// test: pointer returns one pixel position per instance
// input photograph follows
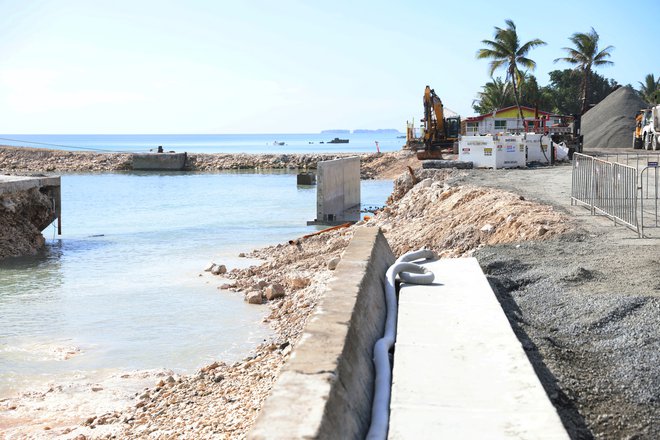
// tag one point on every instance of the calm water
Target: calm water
(122, 283)
(216, 143)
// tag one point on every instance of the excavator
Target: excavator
(439, 132)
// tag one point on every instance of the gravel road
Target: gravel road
(586, 307)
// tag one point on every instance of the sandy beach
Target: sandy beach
(566, 310)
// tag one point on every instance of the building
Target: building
(508, 120)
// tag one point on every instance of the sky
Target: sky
(285, 66)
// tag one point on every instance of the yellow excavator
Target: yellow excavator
(439, 132)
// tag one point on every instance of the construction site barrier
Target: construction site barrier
(648, 196)
(606, 188)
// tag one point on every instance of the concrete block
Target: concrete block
(338, 190)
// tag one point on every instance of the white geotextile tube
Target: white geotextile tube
(410, 273)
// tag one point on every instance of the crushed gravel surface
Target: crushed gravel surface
(611, 122)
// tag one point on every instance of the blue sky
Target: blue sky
(74, 66)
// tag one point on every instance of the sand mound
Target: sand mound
(610, 124)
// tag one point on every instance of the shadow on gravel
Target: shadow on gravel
(573, 421)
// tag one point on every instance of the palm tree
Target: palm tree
(650, 89)
(584, 56)
(506, 51)
(496, 94)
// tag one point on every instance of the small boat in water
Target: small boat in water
(159, 161)
(338, 141)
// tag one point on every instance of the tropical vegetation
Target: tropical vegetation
(569, 91)
(585, 56)
(649, 90)
(505, 51)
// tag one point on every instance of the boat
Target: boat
(159, 161)
(338, 141)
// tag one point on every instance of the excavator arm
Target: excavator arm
(435, 129)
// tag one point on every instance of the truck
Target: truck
(647, 129)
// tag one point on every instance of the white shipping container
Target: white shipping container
(492, 151)
(480, 150)
(538, 148)
(510, 151)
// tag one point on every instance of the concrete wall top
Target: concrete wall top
(326, 388)
(459, 369)
(10, 184)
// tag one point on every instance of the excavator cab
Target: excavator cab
(439, 132)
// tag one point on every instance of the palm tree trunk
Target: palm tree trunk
(515, 96)
(585, 91)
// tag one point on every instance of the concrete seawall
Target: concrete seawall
(27, 206)
(325, 390)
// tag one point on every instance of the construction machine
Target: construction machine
(440, 132)
(647, 129)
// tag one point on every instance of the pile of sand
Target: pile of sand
(610, 124)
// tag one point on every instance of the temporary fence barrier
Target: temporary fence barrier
(648, 196)
(607, 188)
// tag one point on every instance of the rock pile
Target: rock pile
(610, 124)
(23, 159)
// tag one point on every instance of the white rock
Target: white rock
(219, 269)
(487, 228)
(332, 264)
(425, 183)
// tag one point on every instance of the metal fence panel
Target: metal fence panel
(607, 188)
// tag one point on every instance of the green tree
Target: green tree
(650, 89)
(505, 51)
(585, 56)
(495, 94)
(531, 95)
(566, 86)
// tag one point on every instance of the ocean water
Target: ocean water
(121, 288)
(215, 143)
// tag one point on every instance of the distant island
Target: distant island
(335, 131)
(362, 131)
(377, 131)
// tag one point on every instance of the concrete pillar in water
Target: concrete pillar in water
(338, 191)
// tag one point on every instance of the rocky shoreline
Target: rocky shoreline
(30, 160)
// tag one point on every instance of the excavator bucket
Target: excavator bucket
(429, 154)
